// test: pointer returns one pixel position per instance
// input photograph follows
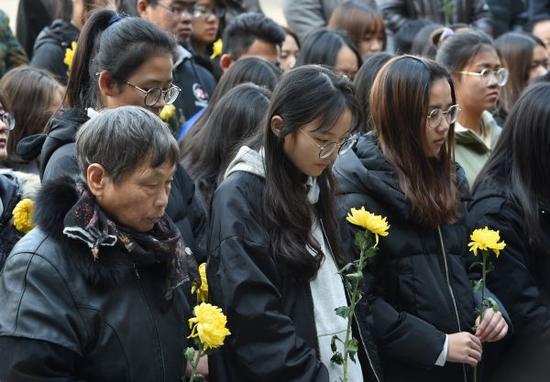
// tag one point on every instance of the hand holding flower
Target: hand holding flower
(492, 327)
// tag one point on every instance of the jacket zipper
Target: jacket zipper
(325, 237)
(444, 253)
(153, 322)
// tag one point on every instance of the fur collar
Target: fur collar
(54, 200)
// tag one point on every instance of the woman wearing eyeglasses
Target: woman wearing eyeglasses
(274, 246)
(118, 62)
(478, 74)
(207, 19)
(421, 301)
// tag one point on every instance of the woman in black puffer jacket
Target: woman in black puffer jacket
(511, 194)
(422, 305)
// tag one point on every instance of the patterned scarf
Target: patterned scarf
(87, 222)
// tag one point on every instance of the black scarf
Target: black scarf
(163, 245)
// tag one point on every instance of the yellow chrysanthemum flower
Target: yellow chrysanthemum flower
(217, 48)
(202, 289)
(376, 224)
(486, 239)
(209, 324)
(69, 55)
(167, 112)
(22, 215)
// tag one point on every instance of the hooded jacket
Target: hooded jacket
(57, 152)
(69, 317)
(519, 279)
(270, 314)
(417, 286)
(50, 47)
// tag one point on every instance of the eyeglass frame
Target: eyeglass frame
(338, 146)
(443, 113)
(162, 93)
(493, 72)
(8, 119)
(175, 11)
(219, 12)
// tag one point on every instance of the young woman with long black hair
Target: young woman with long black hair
(511, 195)
(421, 300)
(274, 247)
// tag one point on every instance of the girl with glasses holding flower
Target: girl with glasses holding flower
(478, 74)
(274, 244)
(421, 301)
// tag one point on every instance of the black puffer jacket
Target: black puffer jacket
(68, 317)
(270, 316)
(57, 152)
(50, 47)
(398, 12)
(418, 285)
(520, 279)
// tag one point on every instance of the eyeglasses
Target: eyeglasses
(436, 116)
(202, 11)
(179, 9)
(501, 75)
(328, 149)
(7, 119)
(152, 96)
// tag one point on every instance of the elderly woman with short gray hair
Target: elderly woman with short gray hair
(96, 290)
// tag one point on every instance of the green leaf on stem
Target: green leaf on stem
(189, 354)
(355, 276)
(337, 358)
(342, 311)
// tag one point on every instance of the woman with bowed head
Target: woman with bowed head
(511, 195)
(274, 247)
(118, 62)
(526, 58)
(420, 297)
(334, 49)
(97, 292)
(478, 74)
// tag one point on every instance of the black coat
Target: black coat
(270, 315)
(50, 47)
(398, 12)
(69, 316)
(409, 287)
(520, 280)
(10, 193)
(57, 157)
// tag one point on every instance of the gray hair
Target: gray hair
(121, 139)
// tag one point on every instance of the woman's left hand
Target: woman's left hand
(493, 327)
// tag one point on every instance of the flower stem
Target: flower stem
(195, 364)
(482, 310)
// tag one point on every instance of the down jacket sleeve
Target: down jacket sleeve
(244, 281)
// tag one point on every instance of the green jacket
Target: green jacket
(11, 53)
(471, 151)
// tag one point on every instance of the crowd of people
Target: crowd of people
(142, 138)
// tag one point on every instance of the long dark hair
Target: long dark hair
(520, 158)
(237, 117)
(363, 84)
(321, 47)
(399, 101)
(516, 49)
(303, 95)
(247, 69)
(31, 93)
(119, 46)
